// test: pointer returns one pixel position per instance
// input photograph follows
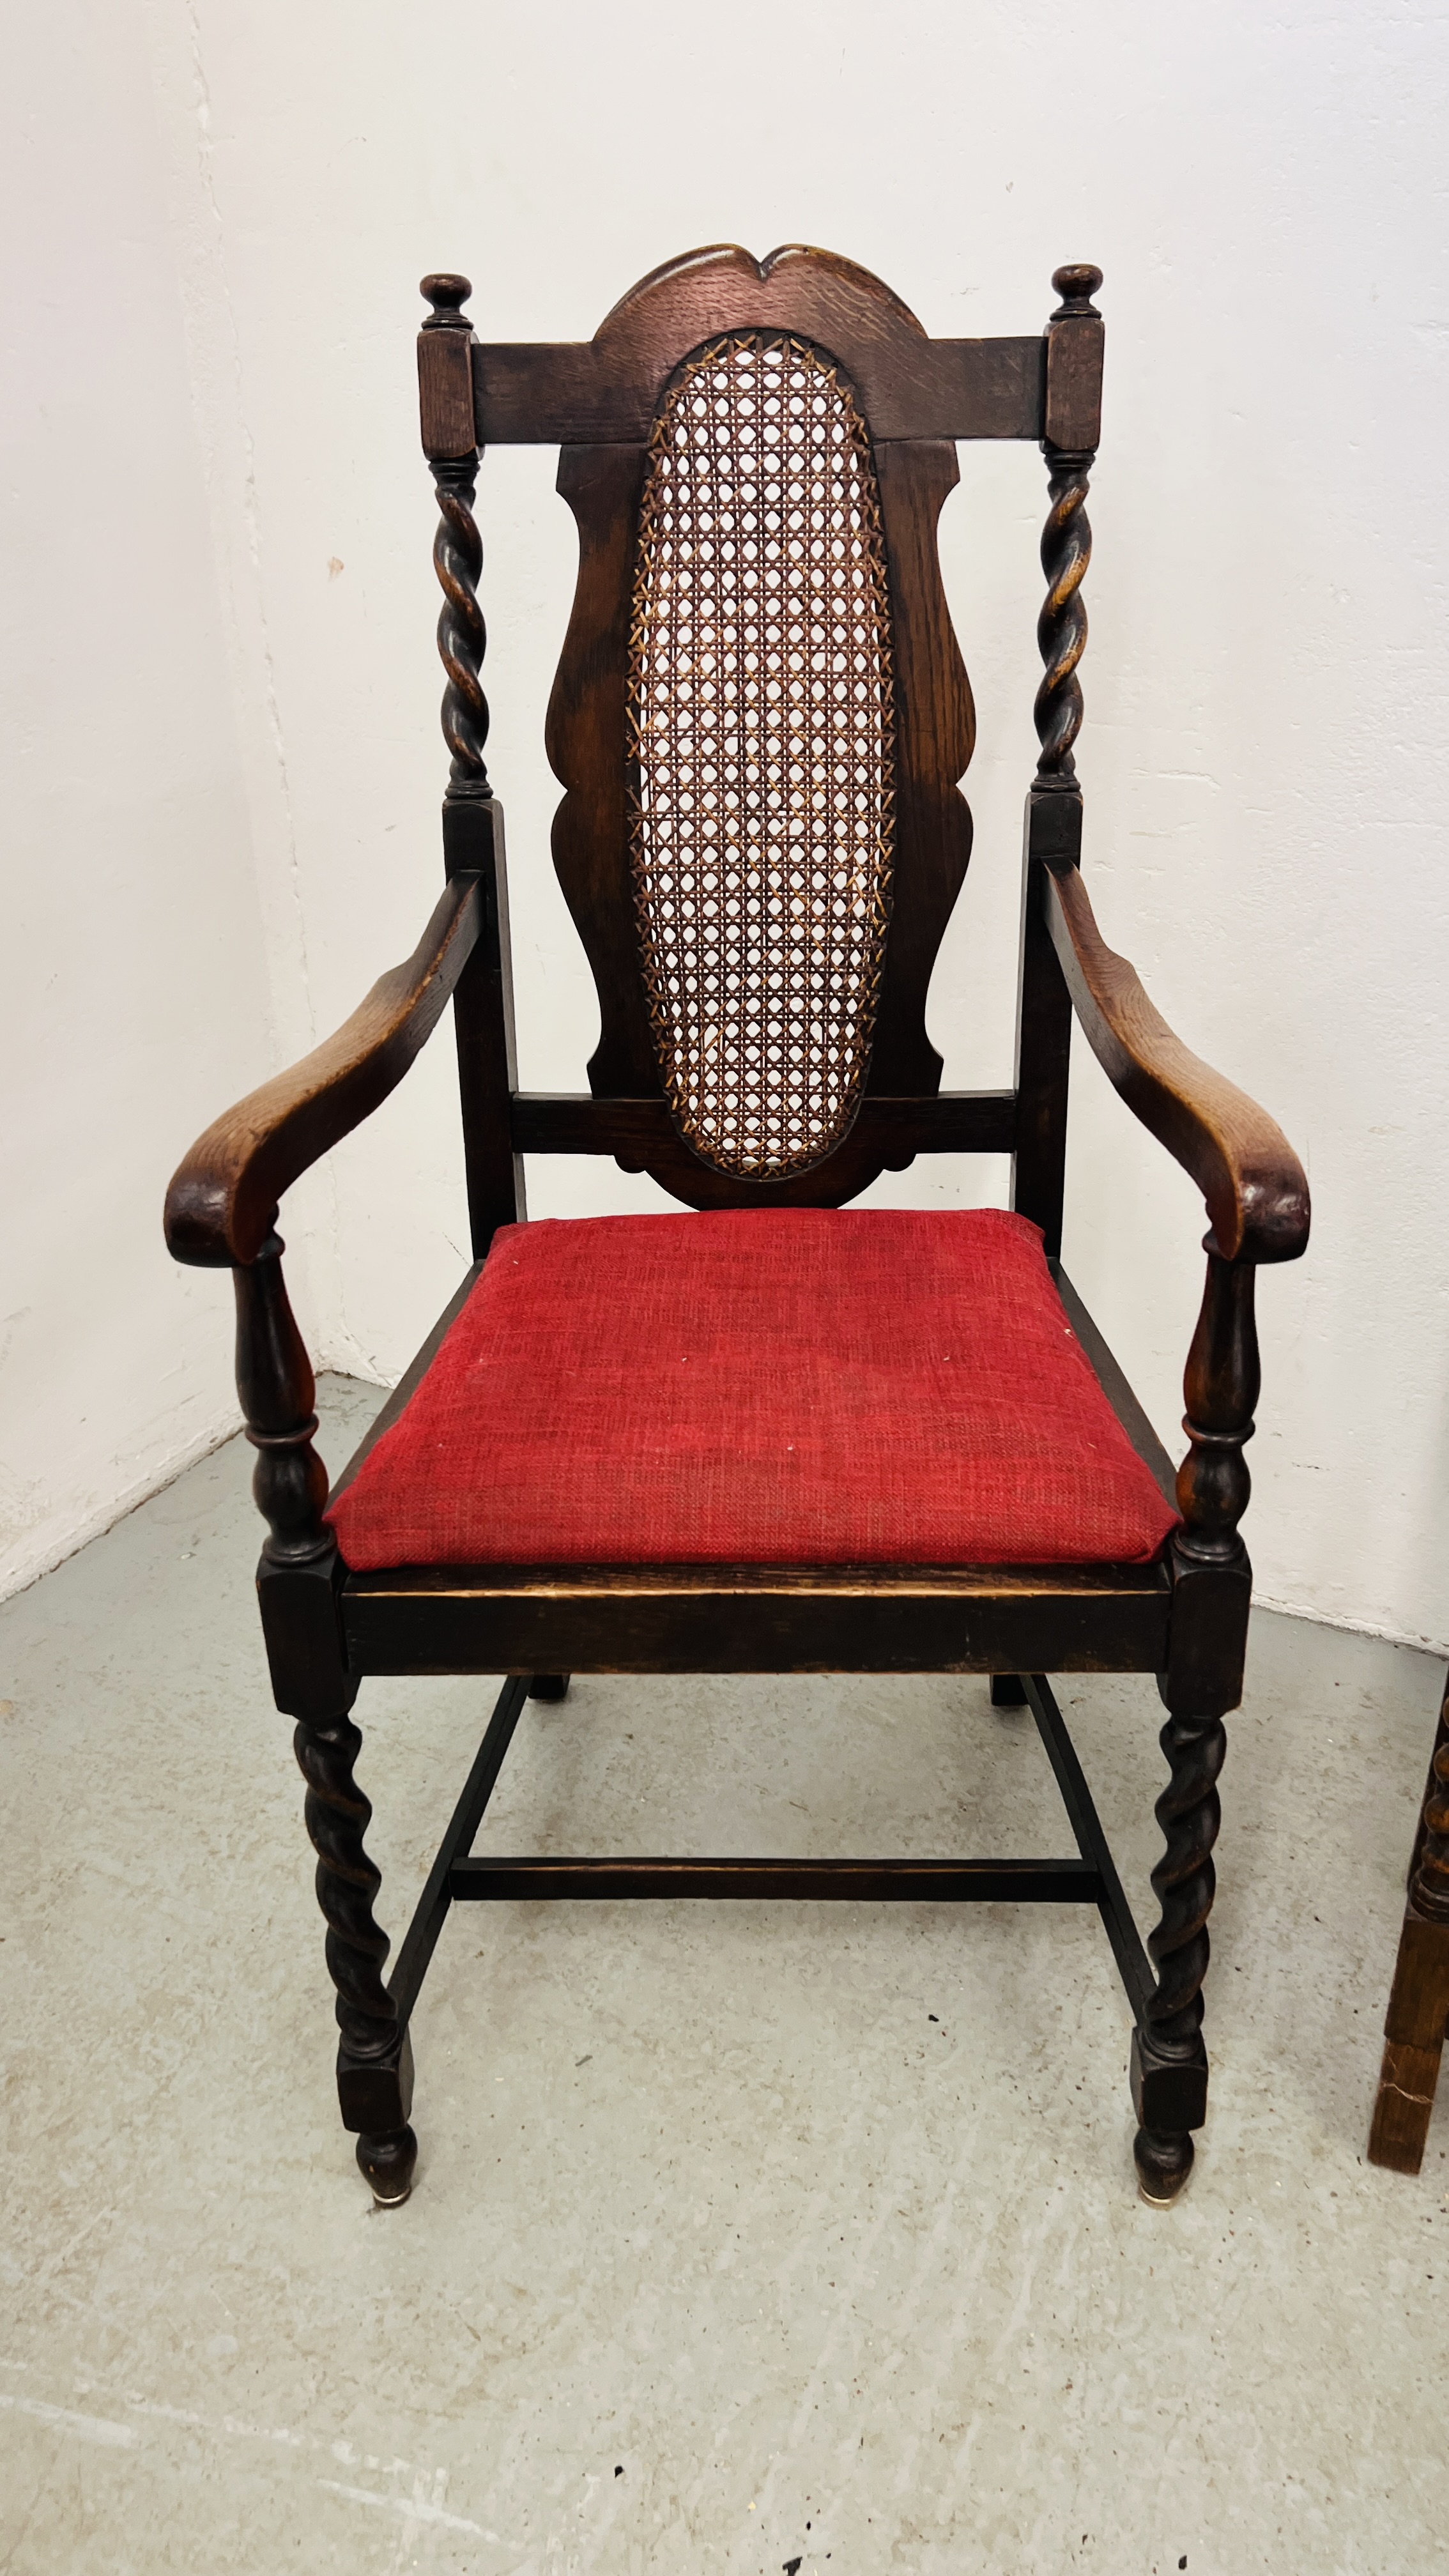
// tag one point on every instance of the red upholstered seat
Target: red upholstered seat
(774, 1387)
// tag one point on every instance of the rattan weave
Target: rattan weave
(760, 747)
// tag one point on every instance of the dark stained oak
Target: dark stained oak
(445, 371)
(605, 392)
(1414, 2026)
(223, 1197)
(1072, 406)
(297, 1586)
(1183, 1618)
(847, 1882)
(1200, 1681)
(587, 739)
(755, 1619)
(946, 1122)
(1250, 1177)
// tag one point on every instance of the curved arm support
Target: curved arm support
(221, 1202)
(1253, 1182)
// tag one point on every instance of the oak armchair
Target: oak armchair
(777, 1433)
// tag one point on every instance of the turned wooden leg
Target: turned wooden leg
(297, 1593)
(1169, 2060)
(1419, 2001)
(549, 1686)
(1006, 1691)
(374, 2060)
(1413, 2045)
(1211, 1591)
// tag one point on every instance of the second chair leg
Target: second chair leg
(1169, 2061)
(1419, 2002)
(374, 2059)
(1413, 2046)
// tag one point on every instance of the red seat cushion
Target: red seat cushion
(787, 1386)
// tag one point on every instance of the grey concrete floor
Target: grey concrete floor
(745, 2238)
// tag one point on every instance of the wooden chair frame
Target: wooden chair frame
(1183, 1618)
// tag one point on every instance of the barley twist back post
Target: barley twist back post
(1066, 545)
(445, 375)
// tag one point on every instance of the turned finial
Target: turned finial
(1075, 285)
(447, 294)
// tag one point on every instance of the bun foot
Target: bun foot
(549, 1686)
(387, 2163)
(1163, 2165)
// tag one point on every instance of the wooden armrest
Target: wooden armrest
(221, 1201)
(1253, 1182)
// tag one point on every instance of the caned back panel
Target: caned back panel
(761, 752)
(761, 719)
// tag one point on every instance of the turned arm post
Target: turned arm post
(276, 1388)
(297, 1577)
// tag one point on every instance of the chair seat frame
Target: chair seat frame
(1183, 1619)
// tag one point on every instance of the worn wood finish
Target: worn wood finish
(606, 391)
(723, 1619)
(223, 1197)
(1414, 2025)
(1072, 412)
(1413, 2046)
(445, 371)
(1250, 1177)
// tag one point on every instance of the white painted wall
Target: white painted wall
(130, 947)
(1265, 734)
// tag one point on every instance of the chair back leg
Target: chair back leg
(1414, 2025)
